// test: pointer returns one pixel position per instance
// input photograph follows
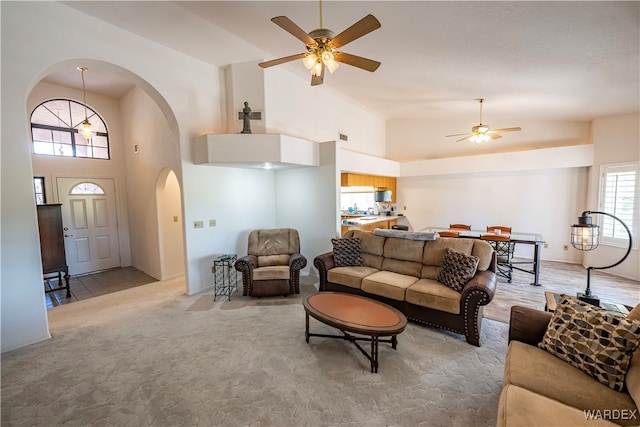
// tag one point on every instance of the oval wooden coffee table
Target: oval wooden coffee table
(358, 315)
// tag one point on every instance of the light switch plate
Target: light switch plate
(212, 223)
(198, 224)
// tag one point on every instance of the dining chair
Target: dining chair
(449, 233)
(503, 229)
(502, 244)
(459, 226)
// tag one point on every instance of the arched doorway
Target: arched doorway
(143, 142)
(170, 225)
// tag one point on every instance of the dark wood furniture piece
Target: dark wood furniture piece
(358, 315)
(54, 259)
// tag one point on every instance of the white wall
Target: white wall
(170, 225)
(616, 140)
(306, 201)
(318, 114)
(540, 201)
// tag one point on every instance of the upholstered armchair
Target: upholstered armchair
(272, 264)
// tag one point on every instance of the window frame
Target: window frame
(616, 168)
(72, 130)
(44, 191)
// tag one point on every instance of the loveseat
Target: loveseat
(404, 273)
(540, 388)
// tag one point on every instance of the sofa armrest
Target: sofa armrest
(483, 282)
(246, 264)
(528, 325)
(323, 263)
(297, 262)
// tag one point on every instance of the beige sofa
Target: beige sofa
(542, 389)
(403, 273)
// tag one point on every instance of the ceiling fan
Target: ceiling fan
(481, 132)
(321, 46)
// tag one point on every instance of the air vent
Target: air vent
(343, 137)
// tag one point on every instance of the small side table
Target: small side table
(552, 298)
(229, 281)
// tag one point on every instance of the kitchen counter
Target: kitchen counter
(368, 223)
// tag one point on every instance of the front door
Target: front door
(89, 221)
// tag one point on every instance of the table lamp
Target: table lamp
(585, 236)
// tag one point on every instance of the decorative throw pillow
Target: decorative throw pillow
(347, 252)
(593, 340)
(457, 269)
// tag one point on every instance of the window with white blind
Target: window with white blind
(619, 197)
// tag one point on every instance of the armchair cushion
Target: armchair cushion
(347, 252)
(457, 269)
(592, 340)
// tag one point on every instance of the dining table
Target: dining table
(534, 239)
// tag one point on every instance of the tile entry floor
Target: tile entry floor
(96, 284)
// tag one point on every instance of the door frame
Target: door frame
(121, 222)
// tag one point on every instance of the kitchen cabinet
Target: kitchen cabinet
(54, 259)
(348, 179)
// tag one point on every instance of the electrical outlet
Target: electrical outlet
(565, 247)
(212, 223)
(198, 224)
(175, 218)
(546, 246)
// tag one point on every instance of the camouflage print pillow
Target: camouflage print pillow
(457, 269)
(347, 252)
(593, 340)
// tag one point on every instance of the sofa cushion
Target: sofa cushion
(484, 251)
(267, 260)
(541, 372)
(406, 250)
(435, 251)
(372, 247)
(593, 340)
(388, 284)
(347, 252)
(271, 272)
(433, 294)
(350, 276)
(457, 269)
(521, 407)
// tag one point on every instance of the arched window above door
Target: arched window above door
(54, 130)
(87, 188)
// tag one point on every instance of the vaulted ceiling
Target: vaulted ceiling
(571, 61)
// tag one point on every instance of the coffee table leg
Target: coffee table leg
(374, 354)
(306, 327)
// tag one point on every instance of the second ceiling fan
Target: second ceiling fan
(321, 46)
(481, 132)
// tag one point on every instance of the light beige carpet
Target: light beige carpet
(151, 356)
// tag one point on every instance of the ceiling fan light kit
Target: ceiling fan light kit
(321, 47)
(482, 132)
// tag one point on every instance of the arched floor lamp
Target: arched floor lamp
(585, 236)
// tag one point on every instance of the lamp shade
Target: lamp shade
(85, 129)
(585, 235)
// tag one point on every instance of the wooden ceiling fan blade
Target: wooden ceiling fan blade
(457, 134)
(494, 135)
(318, 80)
(364, 26)
(279, 61)
(356, 61)
(289, 26)
(516, 129)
